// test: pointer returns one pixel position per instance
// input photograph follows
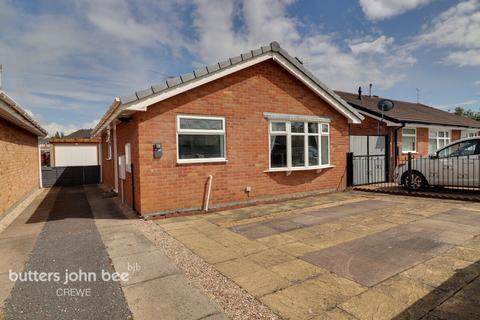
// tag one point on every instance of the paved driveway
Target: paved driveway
(81, 230)
(347, 255)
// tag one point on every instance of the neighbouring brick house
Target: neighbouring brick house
(255, 127)
(19, 153)
(410, 127)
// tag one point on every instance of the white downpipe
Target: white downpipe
(209, 189)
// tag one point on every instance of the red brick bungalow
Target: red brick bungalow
(255, 127)
(410, 127)
(19, 154)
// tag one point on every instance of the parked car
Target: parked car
(455, 165)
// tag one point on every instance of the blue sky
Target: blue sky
(66, 61)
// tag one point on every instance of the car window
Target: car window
(464, 148)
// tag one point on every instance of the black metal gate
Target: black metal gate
(368, 161)
(70, 176)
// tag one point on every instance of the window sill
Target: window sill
(290, 170)
(193, 161)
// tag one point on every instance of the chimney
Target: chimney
(359, 93)
(370, 90)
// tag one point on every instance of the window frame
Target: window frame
(180, 131)
(446, 139)
(288, 133)
(409, 135)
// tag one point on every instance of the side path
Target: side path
(156, 288)
(69, 241)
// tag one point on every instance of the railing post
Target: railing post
(349, 169)
(409, 168)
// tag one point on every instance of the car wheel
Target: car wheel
(414, 181)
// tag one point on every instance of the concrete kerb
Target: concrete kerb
(7, 218)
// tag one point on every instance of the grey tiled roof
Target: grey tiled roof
(206, 71)
(82, 133)
(411, 112)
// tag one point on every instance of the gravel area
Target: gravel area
(234, 301)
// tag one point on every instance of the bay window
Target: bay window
(437, 139)
(409, 140)
(299, 144)
(200, 139)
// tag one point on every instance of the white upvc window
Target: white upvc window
(297, 145)
(409, 140)
(201, 139)
(438, 138)
(469, 134)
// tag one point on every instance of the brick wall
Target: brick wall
(18, 164)
(369, 126)
(242, 98)
(456, 135)
(127, 132)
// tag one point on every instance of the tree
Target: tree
(460, 111)
(59, 135)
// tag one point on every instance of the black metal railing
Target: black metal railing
(413, 172)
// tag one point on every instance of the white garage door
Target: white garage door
(76, 155)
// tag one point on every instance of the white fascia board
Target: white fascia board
(111, 114)
(439, 127)
(143, 104)
(294, 117)
(168, 93)
(387, 122)
(326, 96)
(11, 115)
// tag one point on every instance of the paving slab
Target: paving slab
(466, 217)
(144, 266)
(254, 230)
(156, 288)
(372, 259)
(170, 297)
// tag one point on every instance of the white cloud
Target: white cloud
(217, 38)
(464, 58)
(459, 104)
(53, 127)
(76, 61)
(458, 30)
(379, 45)
(70, 64)
(382, 9)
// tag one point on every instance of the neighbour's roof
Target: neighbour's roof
(273, 50)
(79, 136)
(409, 112)
(13, 112)
(82, 133)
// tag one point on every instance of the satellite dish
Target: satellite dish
(385, 105)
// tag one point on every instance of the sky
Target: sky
(66, 61)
